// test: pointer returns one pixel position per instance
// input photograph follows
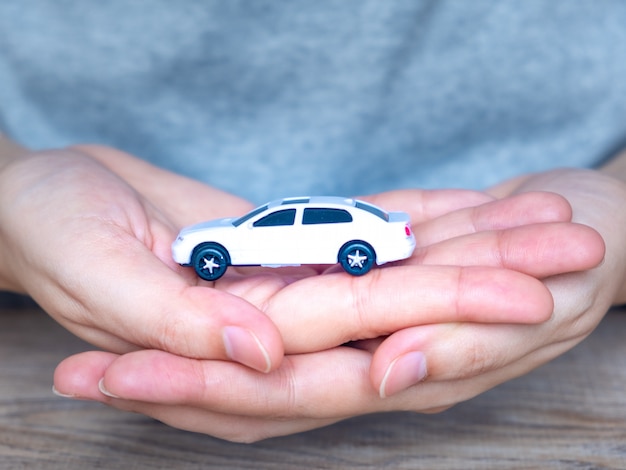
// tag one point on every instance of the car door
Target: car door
(270, 239)
(324, 230)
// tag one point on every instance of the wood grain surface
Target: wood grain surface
(570, 413)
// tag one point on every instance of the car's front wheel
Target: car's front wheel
(357, 258)
(210, 261)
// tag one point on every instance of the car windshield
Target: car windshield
(249, 215)
(373, 210)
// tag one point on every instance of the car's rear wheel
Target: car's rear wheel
(357, 258)
(210, 261)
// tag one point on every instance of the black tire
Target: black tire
(357, 258)
(210, 261)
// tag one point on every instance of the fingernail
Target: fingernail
(244, 347)
(62, 395)
(104, 391)
(404, 372)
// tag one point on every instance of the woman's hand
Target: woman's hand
(92, 248)
(476, 263)
(486, 355)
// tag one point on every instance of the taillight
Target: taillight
(407, 230)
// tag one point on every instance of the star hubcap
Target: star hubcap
(357, 259)
(210, 264)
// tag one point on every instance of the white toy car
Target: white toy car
(296, 231)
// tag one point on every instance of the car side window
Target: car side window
(278, 218)
(321, 215)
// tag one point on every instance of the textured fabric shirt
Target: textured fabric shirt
(271, 98)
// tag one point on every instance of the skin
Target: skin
(501, 283)
(103, 229)
(118, 221)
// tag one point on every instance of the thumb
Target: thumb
(135, 297)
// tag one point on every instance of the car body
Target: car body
(296, 231)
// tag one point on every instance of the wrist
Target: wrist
(9, 154)
(9, 151)
(8, 281)
(616, 167)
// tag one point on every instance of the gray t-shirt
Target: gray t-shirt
(271, 98)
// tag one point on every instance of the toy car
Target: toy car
(296, 231)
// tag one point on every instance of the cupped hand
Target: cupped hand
(464, 274)
(496, 353)
(87, 232)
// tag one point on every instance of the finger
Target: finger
(471, 349)
(78, 376)
(539, 250)
(81, 377)
(455, 353)
(521, 209)
(293, 391)
(391, 299)
(424, 205)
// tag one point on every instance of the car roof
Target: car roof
(330, 201)
(325, 200)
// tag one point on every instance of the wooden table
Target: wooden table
(568, 414)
